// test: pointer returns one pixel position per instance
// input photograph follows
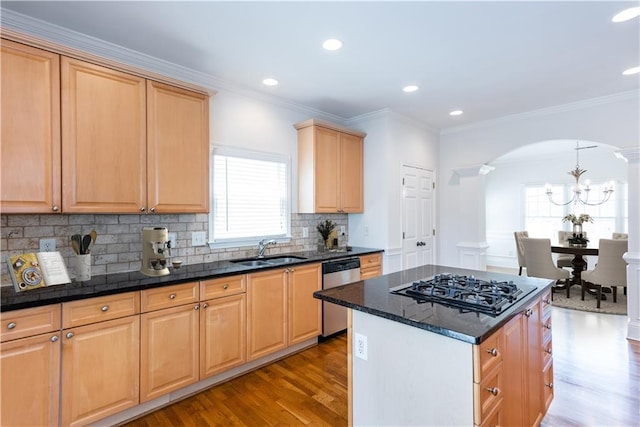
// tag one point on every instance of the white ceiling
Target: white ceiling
(490, 59)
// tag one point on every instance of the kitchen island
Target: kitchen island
(424, 363)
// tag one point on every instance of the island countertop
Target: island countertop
(372, 296)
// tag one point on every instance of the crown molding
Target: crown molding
(23, 28)
(578, 105)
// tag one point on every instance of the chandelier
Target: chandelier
(578, 189)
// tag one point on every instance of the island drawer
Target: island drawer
(222, 287)
(30, 321)
(487, 395)
(487, 355)
(370, 261)
(546, 304)
(99, 309)
(169, 296)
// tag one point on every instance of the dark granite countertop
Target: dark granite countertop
(133, 281)
(372, 296)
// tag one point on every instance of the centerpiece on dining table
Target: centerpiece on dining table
(578, 238)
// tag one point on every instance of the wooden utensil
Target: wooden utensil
(94, 236)
(76, 243)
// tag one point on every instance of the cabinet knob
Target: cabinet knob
(55, 208)
(196, 307)
(493, 390)
(104, 308)
(547, 301)
(11, 325)
(142, 209)
(69, 335)
(550, 385)
(493, 352)
(152, 209)
(528, 313)
(172, 296)
(547, 326)
(205, 305)
(225, 286)
(54, 338)
(548, 351)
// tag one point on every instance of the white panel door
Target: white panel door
(417, 214)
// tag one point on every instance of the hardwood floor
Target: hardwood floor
(596, 381)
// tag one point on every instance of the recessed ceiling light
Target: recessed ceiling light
(627, 14)
(410, 88)
(631, 71)
(332, 44)
(455, 113)
(270, 82)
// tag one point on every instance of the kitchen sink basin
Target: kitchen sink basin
(274, 260)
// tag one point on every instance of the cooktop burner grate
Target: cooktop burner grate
(466, 292)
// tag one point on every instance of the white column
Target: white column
(472, 250)
(633, 256)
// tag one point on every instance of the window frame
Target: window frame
(221, 243)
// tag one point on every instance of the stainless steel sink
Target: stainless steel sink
(274, 260)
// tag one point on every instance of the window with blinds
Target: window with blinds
(250, 197)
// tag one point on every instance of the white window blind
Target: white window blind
(250, 196)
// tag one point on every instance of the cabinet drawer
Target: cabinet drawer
(487, 355)
(370, 261)
(548, 385)
(99, 309)
(546, 304)
(493, 417)
(30, 321)
(169, 296)
(487, 395)
(548, 352)
(222, 287)
(546, 329)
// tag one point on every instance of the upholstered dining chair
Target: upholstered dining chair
(620, 236)
(611, 269)
(537, 253)
(520, 249)
(564, 260)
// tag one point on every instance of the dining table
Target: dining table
(578, 262)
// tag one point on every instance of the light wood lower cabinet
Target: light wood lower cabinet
(30, 366)
(100, 370)
(223, 334)
(370, 266)
(168, 350)
(304, 311)
(266, 313)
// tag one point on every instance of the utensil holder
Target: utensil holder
(82, 267)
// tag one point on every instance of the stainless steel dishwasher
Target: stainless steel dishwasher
(336, 273)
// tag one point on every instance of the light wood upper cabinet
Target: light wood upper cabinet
(330, 168)
(103, 139)
(304, 311)
(177, 149)
(30, 168)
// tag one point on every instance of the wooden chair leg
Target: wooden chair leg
(582, 289)
(614, 292)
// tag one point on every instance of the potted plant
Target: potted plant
(578, 239)
(325, 228)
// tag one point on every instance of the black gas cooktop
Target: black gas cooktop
(465, 292)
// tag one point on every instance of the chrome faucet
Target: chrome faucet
(262, 246)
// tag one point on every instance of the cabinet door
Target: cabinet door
(178, 149)
(103, 139)
(304, 311)
(30, 378)
(30, 165)
(266, 313)
(351, 174)
(100, 370)
(223, 334)
(513, 365)
(168, 350)
(534, 371)
(327, 164)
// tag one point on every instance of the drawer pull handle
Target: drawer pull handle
(493, 390)
(69, 335)
(225, 286)
(548, 351)
(548, 326)
(172, 296)
(54, 338)
(493, 352)
(205, 305)
(528, 313)
(196, 307)
(547, 301)
(550, 385)
(104, 308)
(11, 325)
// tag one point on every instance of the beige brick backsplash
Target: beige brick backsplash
(118, 246)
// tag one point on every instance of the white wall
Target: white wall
(613, 121)
(392, 141)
